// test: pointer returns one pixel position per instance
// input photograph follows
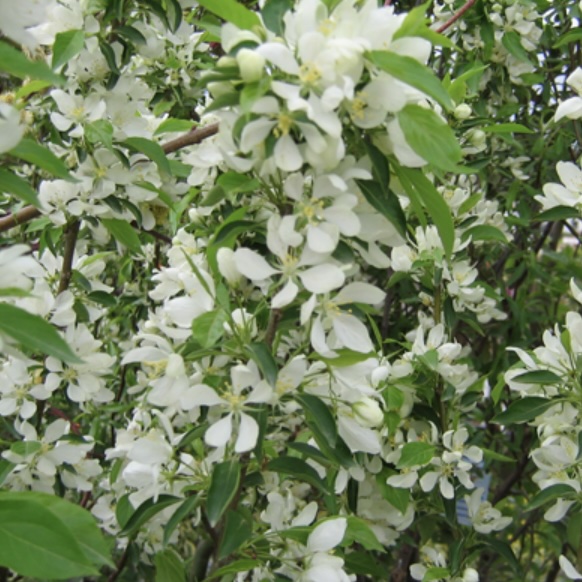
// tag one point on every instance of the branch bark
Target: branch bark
(70, 241)
(194, 136)
(456, 16)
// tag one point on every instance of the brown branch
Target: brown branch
(24, 215)
(456, 16)
(276, 315)
(71, 233)
(121, 564)
(193, 137)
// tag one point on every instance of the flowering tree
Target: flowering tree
(288, 290)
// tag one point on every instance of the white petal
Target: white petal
(200, 395)
(327, 535)
(287, 155)
(569, 569)
(357, 437)
(248, 432)
(280, 55)
(219, 433)
(360, 293)
(255, 133)
(252, 265)
(145, 354)
(571, 108)
(322, 278)
(352, 333)
(322, 238)
(285, 296)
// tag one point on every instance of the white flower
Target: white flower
(572, 108)
(75, 110)
(234, 400)
(568, 193)
(484, 517)
(251, 65)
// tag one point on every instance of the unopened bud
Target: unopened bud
(251, 65)
(462, 111)
(368, 412)
(477, 137)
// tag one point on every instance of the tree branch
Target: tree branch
(70, 241)
(194, 136)
(456, 16)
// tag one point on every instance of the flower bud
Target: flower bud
(462, 111)
(251, 65)
(477, 137)
(227, 265)
(368, 412)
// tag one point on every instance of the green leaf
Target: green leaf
(237, 530)
(33, 153)
(223, 487)
(484, 232)
(416, 453)
(365, 564)
(411, 72)
(145, 512)
(385, 202)
(12, 184)
(31, 87)
(34, 542)
(243, 565)
(208, 328)
(215, 195)
(151, 149)
(273, 13)
(359, 532)
(550, 494)
(172, 125)
(415, 182)
(523, 410)
(169, 567)
(573, 35)
(490, 455)
(5, 469)
(538, 377)
(34, 333)
(506, 128)
(344, 358)
(504, 550)
(67, 45)
(14, 63)
(396, 496)
(132, 34)
(235, 183)
(123, 233)
(25, 448)
(430, 137)
(318, 412)
(232, 12)
(297, 469)
(557, 213)
(183, 511)
(436, 573)
(512, 42)
(100, 131)
(262, 355)
(174, 14)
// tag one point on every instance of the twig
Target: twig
(456, 16)
(120, 565)
(193, 137)
(26, 214)
(70, 242)
(274, 320)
